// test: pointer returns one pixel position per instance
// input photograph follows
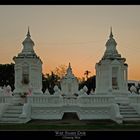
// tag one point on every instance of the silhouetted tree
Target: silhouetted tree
(49, 81)
(7, 75)
(60, 71)
(90, 83)
(87, 73)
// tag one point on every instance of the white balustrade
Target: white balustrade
(44, 99)
(5, 99)
(95, 99)
(134, 98)
(69, 101)
(83, 100)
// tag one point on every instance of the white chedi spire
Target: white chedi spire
(111, 41)
(69, 70)
(28, 39)
(28, 33)
(69, 83)
(111, 51)
(111, 34)
(28, 44)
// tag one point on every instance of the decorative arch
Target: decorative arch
(25, 73)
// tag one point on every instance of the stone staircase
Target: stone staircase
(129, 113)
(11, 114)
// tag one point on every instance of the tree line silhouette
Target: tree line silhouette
(7, 77)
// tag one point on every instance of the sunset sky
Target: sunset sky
(71, 33)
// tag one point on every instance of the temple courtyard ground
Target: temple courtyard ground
(74, 125)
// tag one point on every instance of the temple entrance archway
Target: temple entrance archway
(70, 116)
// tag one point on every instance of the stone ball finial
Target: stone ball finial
(56, 90)
(91, 92)
(80, 92)
(8, 88)
(47, 91)
(133, 89)
(85, 89)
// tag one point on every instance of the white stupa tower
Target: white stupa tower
(69, 83)
(111, 71)
(28, 68)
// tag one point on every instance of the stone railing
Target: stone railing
(95, 99)
(88, 100)
(69, 101)
(5, 99)
(51, 100)
(134, 98)
(44, 99)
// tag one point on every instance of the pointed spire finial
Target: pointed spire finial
(28, 33)
(111, 34)
(69, 70)
(69, 65)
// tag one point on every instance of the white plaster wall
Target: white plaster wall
(35, 74)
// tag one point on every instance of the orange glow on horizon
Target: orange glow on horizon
(75, 34)
(79, 73)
